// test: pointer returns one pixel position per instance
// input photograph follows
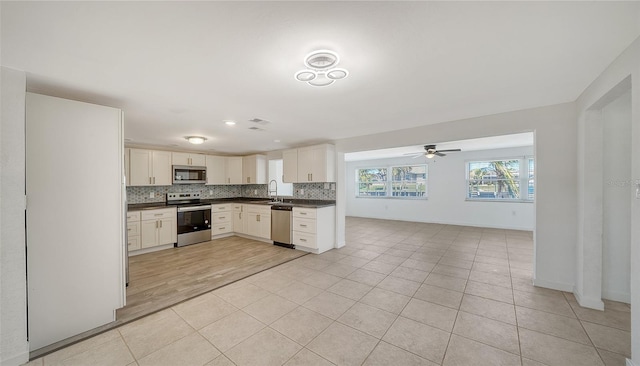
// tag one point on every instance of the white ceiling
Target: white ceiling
(485, 143)
(182, 68)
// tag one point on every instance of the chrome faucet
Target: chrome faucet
(272, 191)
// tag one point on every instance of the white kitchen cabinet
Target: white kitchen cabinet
(188, 159)
(239, 219)
(316, 163)
(233, 169)
(258, 221)
(314, 228)
(290, 166)
(126, 166)
(254, 169)
(221, 219)
(158, 227)
(149, 167)
(133, 230)
(216, 169)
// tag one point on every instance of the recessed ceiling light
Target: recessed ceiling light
(229, 123)
(196, 140)
(276, 140)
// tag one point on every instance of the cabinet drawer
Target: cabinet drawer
(133, 228)
(304, 212)
(305, 240)
(159, 214)
(259, 209)
(220, 208)
(133, 243)
(133, 216)
(217, 229)
(221, 217)
(304, 225)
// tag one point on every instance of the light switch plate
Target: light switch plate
(152, 194)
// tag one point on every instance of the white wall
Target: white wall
(446, 191)
(625, 72)
(14, 348)
(555, 146)
(616, 235)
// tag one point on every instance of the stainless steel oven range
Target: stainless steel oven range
(194, 218)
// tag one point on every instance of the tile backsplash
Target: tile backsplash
(314, 191)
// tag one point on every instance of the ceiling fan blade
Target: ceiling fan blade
(439, 153)
(415, 153)
(450, 150)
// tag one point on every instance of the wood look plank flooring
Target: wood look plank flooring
(164, 278)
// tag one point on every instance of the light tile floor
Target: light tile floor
(398, 293)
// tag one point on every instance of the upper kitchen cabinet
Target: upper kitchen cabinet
(216, 169)
(233, 169)
(188, 159)
(254, 169)
(149, 167)
(290, 166)
(316, 164)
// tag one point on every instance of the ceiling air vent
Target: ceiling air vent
(259, 121)
(256, 128)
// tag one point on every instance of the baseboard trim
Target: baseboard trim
(457, 223)
(586, 302)
(560, 286)
(16, 360)
(617, 296)
(630, 363)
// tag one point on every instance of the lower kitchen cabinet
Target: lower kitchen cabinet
(314, 228)
(158, 227)
(239, 219)
(221, 219)
(258, 221)
(133, 230)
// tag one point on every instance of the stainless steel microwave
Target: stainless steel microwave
(184, 174)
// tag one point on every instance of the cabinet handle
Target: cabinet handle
(240, 215)
(258, 218)
(303, 240)
(128, 229)
(301, 225)
(222, 217)
(149, 180)
(303, 213)
(221, 228)
(161, 224)
(156, 224)
(157, 214)
(311, 180)
(248, 180)
(228, 180)
(154, 180)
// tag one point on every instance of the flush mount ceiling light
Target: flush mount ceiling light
(196, 140)
(229, 123)
(321, 69)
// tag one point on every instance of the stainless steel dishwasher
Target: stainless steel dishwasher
(281, 225)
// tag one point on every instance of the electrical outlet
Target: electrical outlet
(333, 186)
(302, 191)
(326, 186)
(255, 192)
(152, 194)
(211, 191)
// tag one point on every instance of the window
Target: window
(406, 181)
(275, 173)
(501, 179)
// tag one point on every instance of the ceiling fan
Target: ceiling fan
(431, 151)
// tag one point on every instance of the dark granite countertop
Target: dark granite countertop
(249, 200)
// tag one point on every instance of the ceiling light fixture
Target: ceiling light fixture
(196, 140)
(229, 123)
(321, 70)
(430, 155)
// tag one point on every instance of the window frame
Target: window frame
(389, 182)
(524, 176)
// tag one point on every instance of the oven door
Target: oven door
(193, 219)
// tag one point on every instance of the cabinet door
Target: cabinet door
(234, 169)
(161, 168)
(215, 169)
(180, 158)
(167, 231)
(265, 226)
(290, 166)
(238, 222)
(305, 164)
(140, 167)
(149, 233)
(126, 167)
(253, 225)
(249, 169)
(198, 159)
